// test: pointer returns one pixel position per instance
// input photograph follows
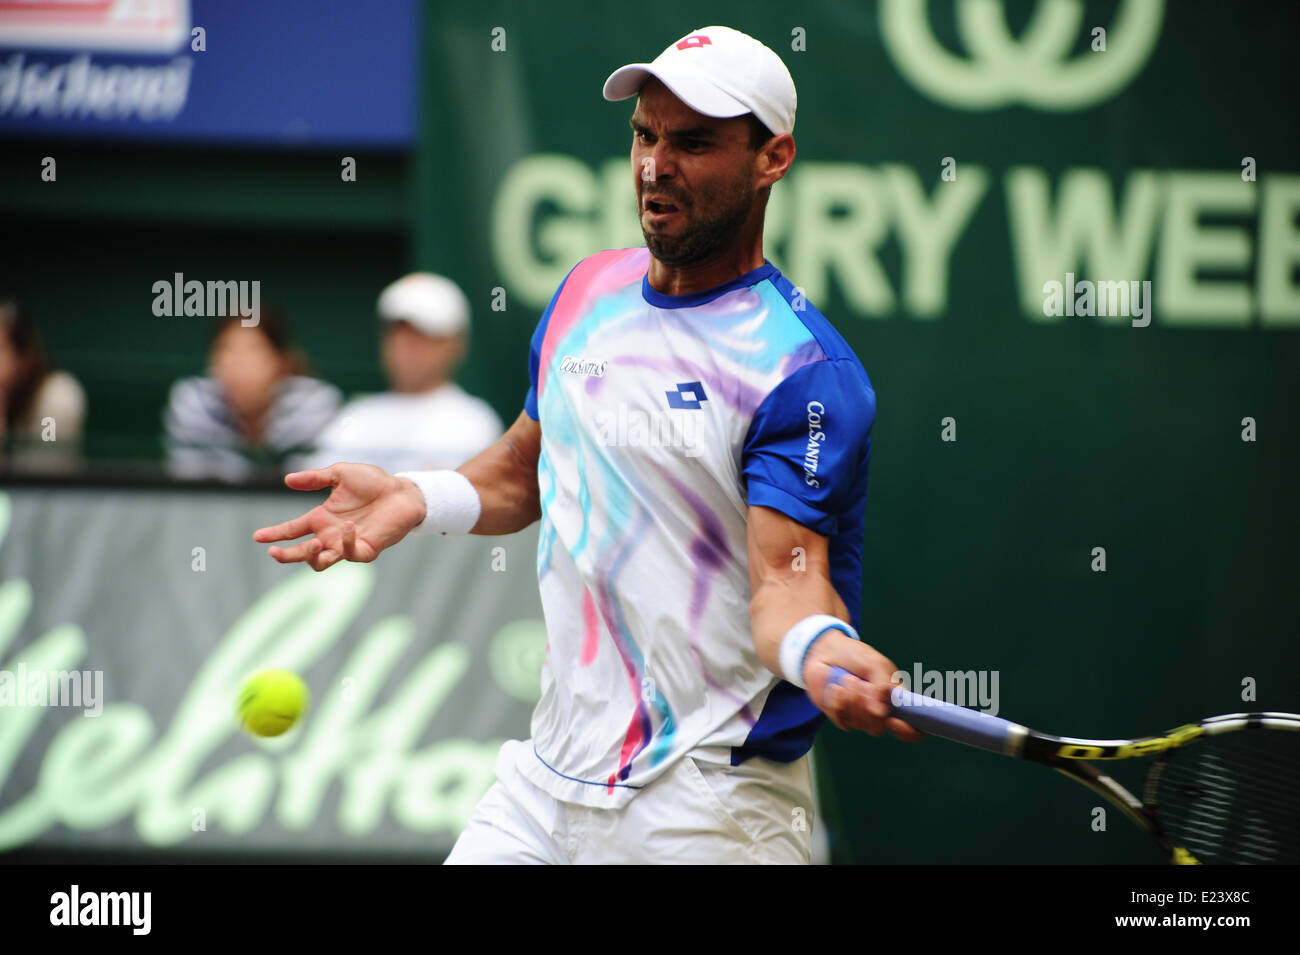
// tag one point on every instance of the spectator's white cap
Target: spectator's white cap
(719, 72)
(433, 304)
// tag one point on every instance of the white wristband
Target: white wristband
(452, 506)
(799, 639)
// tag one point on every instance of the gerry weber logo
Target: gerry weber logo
(582, 366)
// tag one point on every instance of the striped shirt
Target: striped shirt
(204, 439)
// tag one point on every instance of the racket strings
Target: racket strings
(1232, 798)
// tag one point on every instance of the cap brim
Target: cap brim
(626, 81)
(691, 88)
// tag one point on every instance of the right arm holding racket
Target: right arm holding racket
(370, 510)
(783, 598)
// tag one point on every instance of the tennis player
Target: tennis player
(695, 443)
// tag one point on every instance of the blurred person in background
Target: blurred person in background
(256, 406)
(42, 410)
(426, 420)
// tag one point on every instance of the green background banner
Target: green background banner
(1067, 434)
(419, 666)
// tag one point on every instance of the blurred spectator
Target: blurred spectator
(256, 406)
(41, 410)
(426, 421)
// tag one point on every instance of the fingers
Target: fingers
(312, 552)
(903, 731)
(299, 481)
(878, 672)
(838, 692)
(313, 480)
(853, 704)
(848, 700)
(324, 560)
(307, 550)
(873, 672)
(289, 530)
(328, 556)
(835, 700)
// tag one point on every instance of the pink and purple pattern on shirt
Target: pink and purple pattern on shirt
(661, 417)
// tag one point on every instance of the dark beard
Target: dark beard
(705, 239)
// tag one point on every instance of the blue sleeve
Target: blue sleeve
(535, 353)
(809, 442)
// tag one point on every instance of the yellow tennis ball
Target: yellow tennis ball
(271, 702)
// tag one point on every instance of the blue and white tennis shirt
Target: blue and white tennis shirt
(663, 417)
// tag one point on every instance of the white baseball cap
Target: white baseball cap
(719, 72)
(433, 304)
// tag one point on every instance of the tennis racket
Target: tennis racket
(1224, 790)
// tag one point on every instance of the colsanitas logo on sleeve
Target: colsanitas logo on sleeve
(815, 438)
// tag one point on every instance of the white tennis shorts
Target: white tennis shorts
(695, 813)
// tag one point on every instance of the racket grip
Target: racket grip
(940, 718)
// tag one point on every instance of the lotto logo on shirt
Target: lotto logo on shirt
(815, 438)
(687, 395)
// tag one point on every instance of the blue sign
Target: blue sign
(291, 72)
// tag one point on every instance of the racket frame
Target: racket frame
(1071, 756)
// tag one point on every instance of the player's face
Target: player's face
(694, 178)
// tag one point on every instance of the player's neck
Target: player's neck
(702, 276)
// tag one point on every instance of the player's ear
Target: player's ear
(774, 160)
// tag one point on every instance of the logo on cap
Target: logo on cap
(698, 39)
